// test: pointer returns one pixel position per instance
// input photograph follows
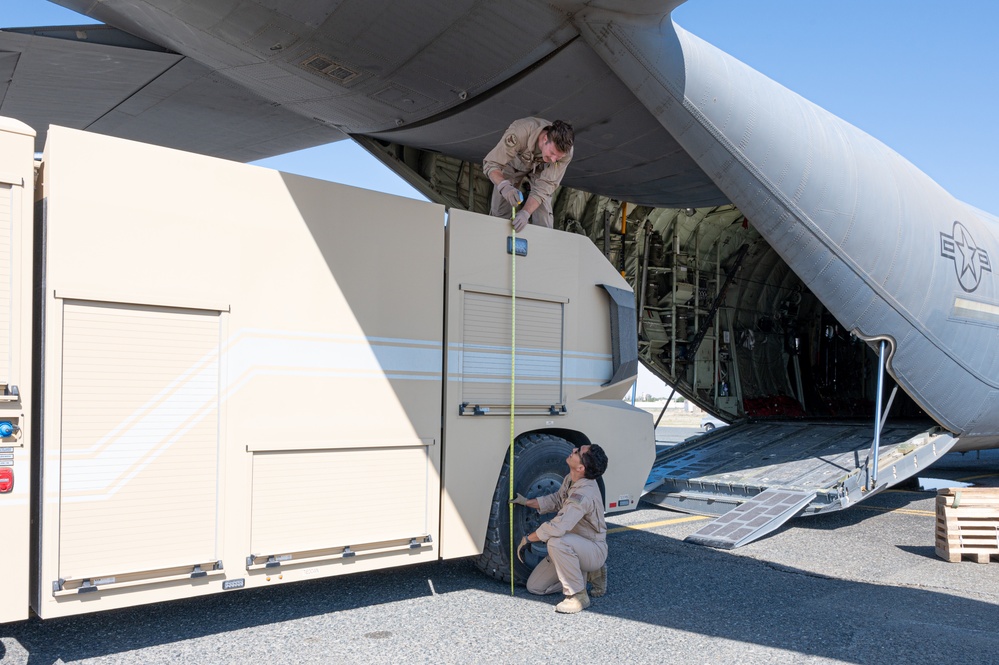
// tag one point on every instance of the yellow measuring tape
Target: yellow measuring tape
(513, 372)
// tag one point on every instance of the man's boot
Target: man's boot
(598, 581)
(573, 604)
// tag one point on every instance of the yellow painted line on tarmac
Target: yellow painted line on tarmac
(904, 511)
(652, 525)
(984, 475)
(695, 518)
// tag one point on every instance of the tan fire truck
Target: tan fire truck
(216, 376)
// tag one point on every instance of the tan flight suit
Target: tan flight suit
(576, 538)
(518, 157)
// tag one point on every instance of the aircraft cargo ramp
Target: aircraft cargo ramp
(757, 475)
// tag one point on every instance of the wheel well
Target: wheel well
(539, 470)
(572, 436)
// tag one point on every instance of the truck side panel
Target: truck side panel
(16, 179)
(242, 377)
(564, 359)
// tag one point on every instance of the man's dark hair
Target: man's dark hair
(561, 134)
(594, 462)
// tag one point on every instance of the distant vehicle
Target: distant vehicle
(709, 422)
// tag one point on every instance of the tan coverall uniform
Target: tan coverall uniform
(518, 157)
(576, 538)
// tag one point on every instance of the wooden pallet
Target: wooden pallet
(968, 524)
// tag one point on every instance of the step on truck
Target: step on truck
(217, 376)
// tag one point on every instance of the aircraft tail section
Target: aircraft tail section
(891, 254)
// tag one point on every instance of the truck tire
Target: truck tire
(539, 467)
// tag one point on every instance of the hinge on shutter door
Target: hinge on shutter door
(66, 586)
(265, 561)
(9, 394)
(466, 409)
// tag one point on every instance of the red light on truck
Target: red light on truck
(6, 480)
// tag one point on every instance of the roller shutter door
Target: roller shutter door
(6, 283)
(311, 500)
(140, 438)
(485, 356)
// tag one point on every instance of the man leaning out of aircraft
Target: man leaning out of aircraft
(576, 537)
(535, 151)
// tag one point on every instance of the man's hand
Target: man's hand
(521, 220)
(519, 499)
(510, 193)
(520, 548)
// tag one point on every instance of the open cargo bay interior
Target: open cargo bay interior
(725, 320)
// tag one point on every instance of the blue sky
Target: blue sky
(921, 76)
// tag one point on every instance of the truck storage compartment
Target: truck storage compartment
(298, 498)
(16, 205)
(138, 467)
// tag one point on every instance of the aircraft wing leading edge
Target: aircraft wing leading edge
(103, 80)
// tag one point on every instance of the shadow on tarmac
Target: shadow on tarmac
(732, 597)
(925, 551)
(653, 579)
(75, 638)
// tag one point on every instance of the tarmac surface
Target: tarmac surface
(857, 586)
